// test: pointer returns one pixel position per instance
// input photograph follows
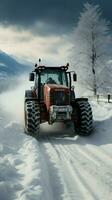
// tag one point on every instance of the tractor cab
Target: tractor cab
(54, 77)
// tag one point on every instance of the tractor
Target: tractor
(52, 99)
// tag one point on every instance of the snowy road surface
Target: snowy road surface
(56, 167)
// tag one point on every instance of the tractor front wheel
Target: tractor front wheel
(32, 118)
(83, 122)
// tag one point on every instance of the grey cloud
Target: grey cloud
(57, 16)
(29, 11)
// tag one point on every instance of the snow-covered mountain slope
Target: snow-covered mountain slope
(10, 66)
(56, 167)
(10, 69)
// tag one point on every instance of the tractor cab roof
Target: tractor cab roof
(42, 68)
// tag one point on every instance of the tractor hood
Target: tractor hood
(56, 95)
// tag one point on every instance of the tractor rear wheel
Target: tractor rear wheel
(83, 118)
(32, 118)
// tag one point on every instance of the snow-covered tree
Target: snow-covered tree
(90, 47)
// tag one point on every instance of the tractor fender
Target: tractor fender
(81, 99)
(28, 93)
(30, 96)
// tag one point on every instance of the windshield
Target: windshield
(54, 77)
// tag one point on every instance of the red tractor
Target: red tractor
(52, 99)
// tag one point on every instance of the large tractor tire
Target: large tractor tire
(32, 118)
(83, 118)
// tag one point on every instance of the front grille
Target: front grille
(59, 98)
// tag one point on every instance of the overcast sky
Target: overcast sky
(41, 28)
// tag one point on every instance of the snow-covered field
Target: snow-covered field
(56, 167)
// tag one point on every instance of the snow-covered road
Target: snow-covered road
(56, 167)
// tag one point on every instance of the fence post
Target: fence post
(98, 98)
(108, 98)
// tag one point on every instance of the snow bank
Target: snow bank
(19, 165)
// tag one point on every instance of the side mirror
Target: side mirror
(74, 77)
(31, 77)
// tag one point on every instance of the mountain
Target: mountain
(10, 68)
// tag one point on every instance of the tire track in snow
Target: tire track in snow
(88, 173)
(76, 188)
(96, 155)
(71, 191)
(100, 176)
(29, 171)
(99, 155)
(50, 180)
(76, 175)
(39, 175)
